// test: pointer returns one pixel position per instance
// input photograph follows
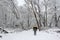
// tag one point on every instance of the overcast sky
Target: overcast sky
(20, 2)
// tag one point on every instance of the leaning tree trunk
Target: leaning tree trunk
(35, 16)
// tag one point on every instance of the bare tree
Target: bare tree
(58, 18)
(28, 21)
(46, 7)
(5, 20)
(38, 12)
(52, 20)
(55, 13)
(15, 10)
(22, 25)
(34, 5)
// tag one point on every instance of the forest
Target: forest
(43, 14)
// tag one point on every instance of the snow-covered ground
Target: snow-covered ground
(49, 34)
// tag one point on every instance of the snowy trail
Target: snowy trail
(28, 35)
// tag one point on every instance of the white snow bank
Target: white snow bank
(28, 35)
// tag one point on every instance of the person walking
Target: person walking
(34, 29)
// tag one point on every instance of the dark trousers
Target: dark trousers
(34, 32)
